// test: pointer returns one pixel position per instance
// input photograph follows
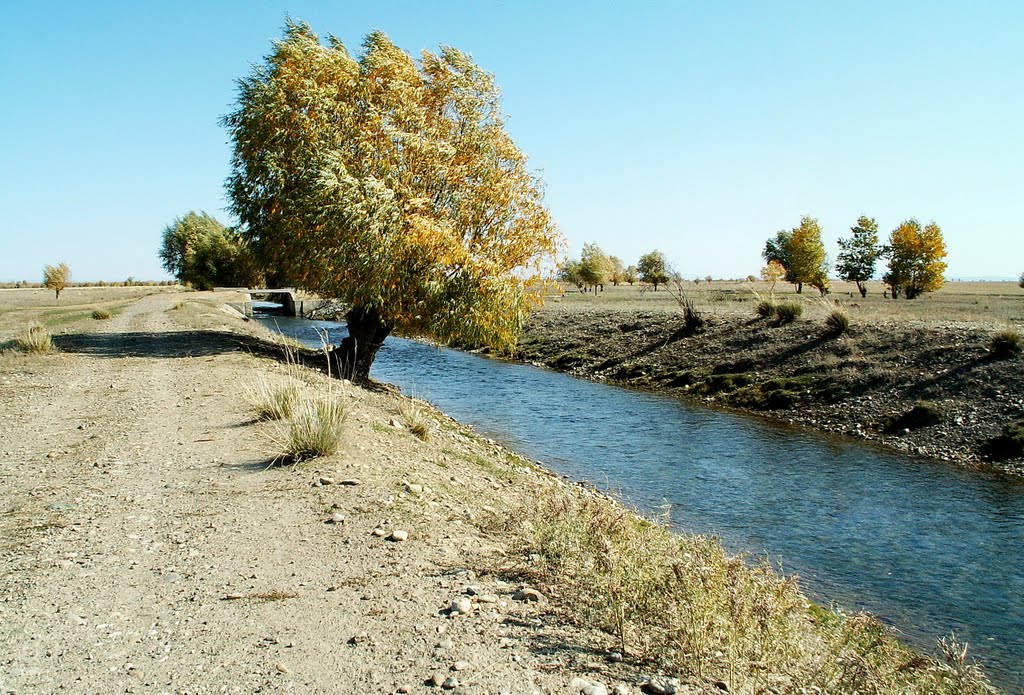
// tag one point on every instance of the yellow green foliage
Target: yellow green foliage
(56, 277)
(916, 256)
(390, 183)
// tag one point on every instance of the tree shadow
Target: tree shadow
(163, 344)
(951, 379)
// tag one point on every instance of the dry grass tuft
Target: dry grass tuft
(101, 314)
(36, 341)
(683, 603)
(316, 428)
(1006, 343)
(788, 312)
(270, 401)
(764, 308)
(415, 417)
(837, 322)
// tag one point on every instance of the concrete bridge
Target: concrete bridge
(284, 297)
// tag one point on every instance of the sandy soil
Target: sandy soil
(147, 547)
(859, 384)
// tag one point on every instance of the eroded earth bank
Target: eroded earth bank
(928, 390)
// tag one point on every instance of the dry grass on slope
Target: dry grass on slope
(682, 603)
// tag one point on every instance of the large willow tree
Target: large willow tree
(391, 184)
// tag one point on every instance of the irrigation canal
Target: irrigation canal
(929, 548)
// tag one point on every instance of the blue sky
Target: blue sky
(699, 128)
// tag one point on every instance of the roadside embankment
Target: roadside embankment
(925, 389)
(150, 544)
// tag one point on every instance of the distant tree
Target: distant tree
(916, 262)
(778, 249)
(56, 277)
(595, 266)
(809, 265)
(616, 271)
(772, 273)
(856, 261)
(203, 253)
(653, 268)
(631, 275)
(570, 274)
(1020, 282)
(390, 183)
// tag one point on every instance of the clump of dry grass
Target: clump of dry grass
(316, 428)
(37, 341)
(272, 401)
(415, 417)
(764, 308)
(788, 312)
(837, 322)
(683, 603)
(101, 314)
(1006, 343)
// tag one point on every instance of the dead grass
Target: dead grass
(416, 418)
(271, 400)
(683, 603)
(35, 341)
(316, 428)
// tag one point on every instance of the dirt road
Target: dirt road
(147, 547)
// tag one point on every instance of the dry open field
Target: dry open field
(982, 303)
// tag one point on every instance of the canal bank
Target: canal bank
(934, 390)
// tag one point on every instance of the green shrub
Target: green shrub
(1006, 343)
(788, 312)
(316, 428)
(764, 308)
(837, 322)
(37, 341)
(101, 314)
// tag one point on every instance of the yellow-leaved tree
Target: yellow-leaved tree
(391, 184)
(916, 262)
(57, 277)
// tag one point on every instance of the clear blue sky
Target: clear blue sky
(699, 128)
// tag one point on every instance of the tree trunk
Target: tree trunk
(799, 288)
(862, 289)
(366, 333)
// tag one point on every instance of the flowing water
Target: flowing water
(929, 548)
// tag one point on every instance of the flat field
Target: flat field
(981, 303)
(21, 308)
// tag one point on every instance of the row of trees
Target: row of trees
(915, 256)
(595, 268)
